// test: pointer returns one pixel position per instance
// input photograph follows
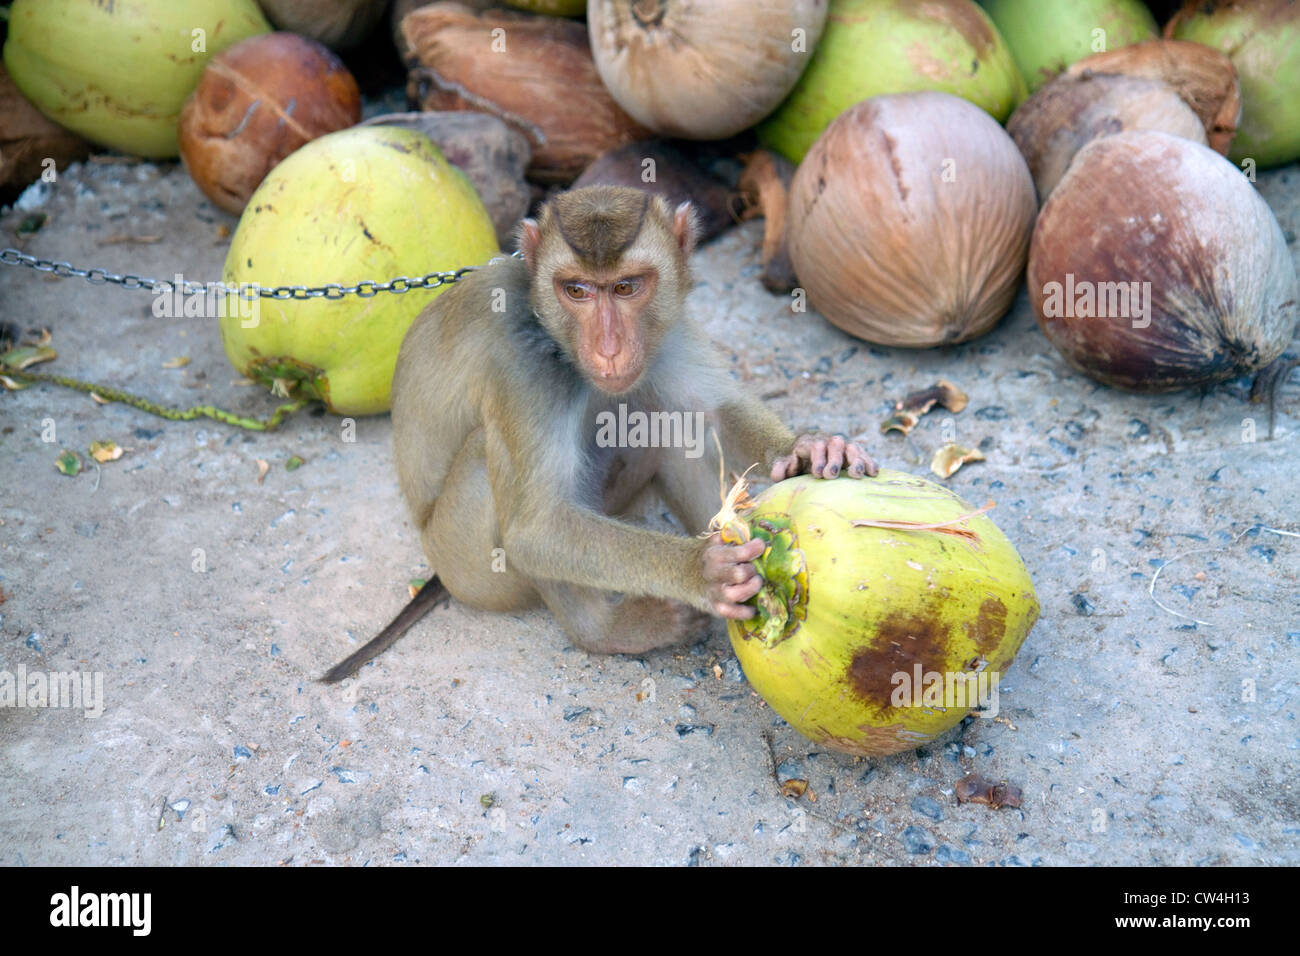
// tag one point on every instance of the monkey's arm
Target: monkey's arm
(751, 427)
(549, 533)
(579, 546)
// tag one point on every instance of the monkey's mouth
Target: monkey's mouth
(617, 384)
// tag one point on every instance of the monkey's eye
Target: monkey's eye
(576, 291)
(626, 287)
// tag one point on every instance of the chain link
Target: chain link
(366, 289)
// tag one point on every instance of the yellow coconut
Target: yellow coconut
(364, 204)
(118, 73)
(890, 608)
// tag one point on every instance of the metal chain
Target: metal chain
(365, 289)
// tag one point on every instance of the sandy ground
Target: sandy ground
(1136, 735)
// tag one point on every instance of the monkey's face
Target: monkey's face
(609, 278)
(612, 323)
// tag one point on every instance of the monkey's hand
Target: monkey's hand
(729, 577)
(822, 456)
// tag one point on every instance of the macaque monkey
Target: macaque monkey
(500, 385)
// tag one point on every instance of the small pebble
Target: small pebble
(1081, 604)
(684, 729)
(927, 807)
(917, 840)
(950, 854)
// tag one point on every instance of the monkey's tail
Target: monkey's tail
(433, 593)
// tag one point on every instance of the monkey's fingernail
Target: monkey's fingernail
(832, 471)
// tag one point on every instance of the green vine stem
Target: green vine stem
(162, 411)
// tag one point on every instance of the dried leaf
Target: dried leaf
(764, 187)
(973, 788)
(951, 457)
(69, 463)
(99, 399)
(103, 451)
(262, 469)
(414, 585)
(794, 788)
(13, 385)
(179, 361)
(900, 421)
(950, 526)
(909, 411)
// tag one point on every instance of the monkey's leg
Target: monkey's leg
(603, 622)
(462, 539)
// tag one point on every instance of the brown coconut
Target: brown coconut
(534, 72)
(256, 103)
(1155, 265)
(28, 139)
(703, 70)
(338, 24)
(910, 220)
(1203, 77)
(674, 171)
(1070, 111)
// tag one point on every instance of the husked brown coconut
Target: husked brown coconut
(910, 220)
(1203, 77)
(1071, 111)
(534, 72)
(703, 70)
(1156, 265)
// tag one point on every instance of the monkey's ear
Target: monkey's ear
(685, 228)
(530, 237)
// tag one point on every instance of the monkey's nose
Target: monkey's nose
(609, 347)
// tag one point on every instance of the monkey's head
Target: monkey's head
(609, 277)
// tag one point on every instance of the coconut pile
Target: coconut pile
(869, 134)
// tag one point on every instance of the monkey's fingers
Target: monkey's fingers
(786, 467)
(720, 558)
(834, 456)
(740, 593)
(732, 604)
(733, 612)
(860, 463)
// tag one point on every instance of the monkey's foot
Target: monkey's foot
(638, 625)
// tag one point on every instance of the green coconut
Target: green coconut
(1046, 36)
(895, 46)
(1263, 41)
(368, 203)
(118, 73)
(890, 608)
